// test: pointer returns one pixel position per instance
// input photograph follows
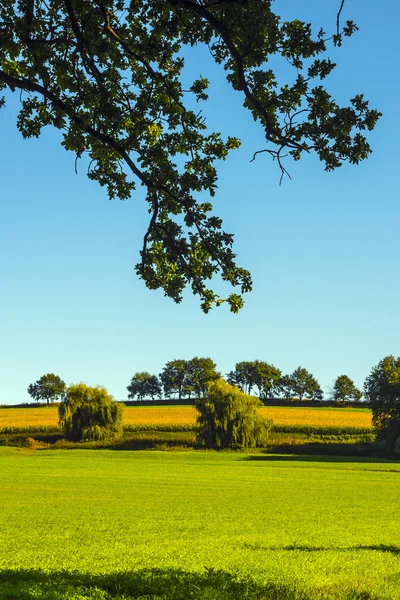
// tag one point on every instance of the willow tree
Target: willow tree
(108, 74)
(228, 417)
(90, 413)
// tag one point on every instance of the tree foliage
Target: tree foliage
(186, 377)
(144, 385)
(228, 417)
(256, 373)
(242, 376)
(49, 387)
(382, 392)
(90, 413)
(201, 372)
(344, 390)
(302, 385)
(175, 378)
(108, 74)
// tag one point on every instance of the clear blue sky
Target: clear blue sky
(323, 248)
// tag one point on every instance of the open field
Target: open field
(202, 525)
(186, 415)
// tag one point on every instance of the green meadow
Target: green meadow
(104, 524)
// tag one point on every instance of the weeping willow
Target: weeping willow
(89, 414)
(228, 417)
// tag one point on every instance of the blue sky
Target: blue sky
(323, 248)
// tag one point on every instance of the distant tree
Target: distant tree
(266, 377)
(382, 392)
(228, 417)
(344, 390)
(90, 413)
(304, 385)
(285, 387)
(144, 385)
(49, 387)
(243, 376)
(200, 372)
(175, 378)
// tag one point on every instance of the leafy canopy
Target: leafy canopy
(187, 377)
(301, 384)
(228, 417)
(248, 374)
(48, 387)
(382, 392)
(90, 413)
(144, 385)
(108, 74)
(344, 390)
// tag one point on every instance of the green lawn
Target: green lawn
(103, 524)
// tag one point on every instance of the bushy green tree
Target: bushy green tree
(285, 387)
(266, 378)
(255, 374)
(90, 413)
(303, 385)
(112, 75)
(175, 378)
(201, 372)
(49, 387)
(228, 417)
(144, 385)
(243, 376)
(382, 392)
(344, 390)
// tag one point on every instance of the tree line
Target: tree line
(182, 378)
(186, 379)
(227, 415)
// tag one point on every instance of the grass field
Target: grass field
(186, 415)
(104, 525)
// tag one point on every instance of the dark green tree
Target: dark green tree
(175, 378)
(243, 376)
(228, 417)
(266, 378)
(285, 387)
(144, 385)
(49, 387)
(90, 413)
(382, 392)
(109, 75)
(304, 385)
(344, 390)
(201, 372)
(255, 374)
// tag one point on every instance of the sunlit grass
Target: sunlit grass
(323, 528)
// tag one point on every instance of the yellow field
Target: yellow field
(186, 415)
(322, 417)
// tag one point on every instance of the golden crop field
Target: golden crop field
(28, 417)
(320, 417)
(186, 415)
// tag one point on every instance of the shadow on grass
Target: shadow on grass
(146, 584)
(320, 457)
(154, 440)
(390, 549)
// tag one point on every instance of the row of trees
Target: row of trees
(226, 414)
(189, 378)
(181, 378)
